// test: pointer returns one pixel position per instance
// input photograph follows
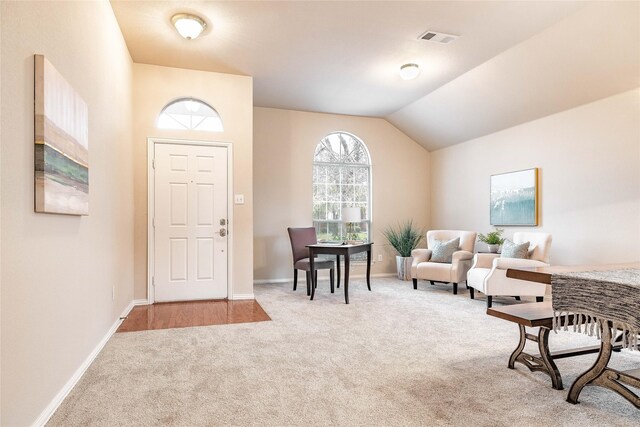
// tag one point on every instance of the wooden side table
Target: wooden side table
(340, 250)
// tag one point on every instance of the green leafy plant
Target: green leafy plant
(493, 237)
(404, 237)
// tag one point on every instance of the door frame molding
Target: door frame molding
(151, 142)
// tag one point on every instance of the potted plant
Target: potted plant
(493, 239)
(404, 238)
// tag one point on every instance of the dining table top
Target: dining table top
(543, 274)
(338, 245)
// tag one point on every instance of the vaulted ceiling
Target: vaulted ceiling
(514, 61)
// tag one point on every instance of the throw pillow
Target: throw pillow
(515, 250)
(443, 251)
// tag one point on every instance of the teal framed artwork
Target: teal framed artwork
(61, 137)
(514, 198)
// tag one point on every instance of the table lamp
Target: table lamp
(351, 216)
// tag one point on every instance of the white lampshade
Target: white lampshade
(188, 26)
(351, 215)
(409, 71)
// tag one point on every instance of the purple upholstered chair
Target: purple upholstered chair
(300, 238)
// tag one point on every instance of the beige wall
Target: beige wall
(58, 271)
(589, 160)
(283, 154)
(0, 215)
(232, 97)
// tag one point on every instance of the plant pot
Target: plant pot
(493, 248)
(403, 264)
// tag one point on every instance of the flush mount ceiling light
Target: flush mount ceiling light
(188, 26)
(409, 71)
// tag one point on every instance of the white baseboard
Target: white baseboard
(303, 279)
(362, 276)
(267, 281)
(62, 394)
(242, 296)
(137, 302)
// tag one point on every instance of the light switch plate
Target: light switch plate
(239, 199)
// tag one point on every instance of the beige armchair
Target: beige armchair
(454, 272)
(488, 274)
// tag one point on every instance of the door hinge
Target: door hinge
(153, 222)
(153, 163)
(153, 281)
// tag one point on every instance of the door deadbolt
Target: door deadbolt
(223, 221)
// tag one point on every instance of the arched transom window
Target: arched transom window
(341, 179)
(190, 114)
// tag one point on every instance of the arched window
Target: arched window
(190, 114)
(341, 179)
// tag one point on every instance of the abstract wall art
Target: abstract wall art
(514, 198)
(61, 144)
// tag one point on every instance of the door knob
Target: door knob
(222, 232)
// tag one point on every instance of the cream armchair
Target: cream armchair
(423, 268)
(488, 274)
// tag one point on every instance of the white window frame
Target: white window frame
(369, 167)
(191, 115)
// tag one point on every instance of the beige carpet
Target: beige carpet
(394, 356)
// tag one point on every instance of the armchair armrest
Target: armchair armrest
(461, 256)
(505, 263)
(420, 255)
(484, 260)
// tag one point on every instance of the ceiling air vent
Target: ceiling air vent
(436, 37)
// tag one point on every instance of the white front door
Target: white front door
(190, 225)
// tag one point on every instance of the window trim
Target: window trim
(184, 99)
(369, 166)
